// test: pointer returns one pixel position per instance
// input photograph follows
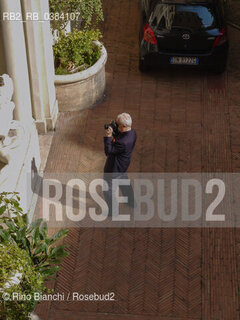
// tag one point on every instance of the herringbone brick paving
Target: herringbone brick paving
(186, 122)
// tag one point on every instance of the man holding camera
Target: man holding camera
(119, 142)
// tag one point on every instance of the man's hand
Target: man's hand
(108, 132)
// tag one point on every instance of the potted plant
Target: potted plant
(79, 56)
(37, 249)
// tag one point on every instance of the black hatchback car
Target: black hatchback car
(183, 32)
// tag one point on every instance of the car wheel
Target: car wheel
(142, 66)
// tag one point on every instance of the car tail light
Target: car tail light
(221, 39)
(148, 35)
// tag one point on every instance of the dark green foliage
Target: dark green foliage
(76, 51)
(90, 12)
(33, 238)
(19, 281)
(77, 48)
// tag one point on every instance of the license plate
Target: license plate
(184, 60)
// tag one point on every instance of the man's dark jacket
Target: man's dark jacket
(119, 152)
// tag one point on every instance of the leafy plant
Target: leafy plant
(19, 283)
(90, 13)
(33, 238)
(76, 50)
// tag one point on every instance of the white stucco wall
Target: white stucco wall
(26, 55)
(2, 56)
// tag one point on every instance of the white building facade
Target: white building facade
(26, 56)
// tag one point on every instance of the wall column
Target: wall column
(41, 65)
(16, 60)
(51, 108)
(33, 47)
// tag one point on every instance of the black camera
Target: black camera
(114, 126)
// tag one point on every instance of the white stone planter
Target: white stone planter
(82, 89)
(34, 316)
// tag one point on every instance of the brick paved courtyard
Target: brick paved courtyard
(186, 122)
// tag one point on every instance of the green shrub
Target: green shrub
(19, 281)
(76, 49)
(90, 12)
(42, 250)
(27, 250)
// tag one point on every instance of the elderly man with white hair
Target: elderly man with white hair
(119, 151)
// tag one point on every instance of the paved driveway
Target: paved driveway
(186, 122)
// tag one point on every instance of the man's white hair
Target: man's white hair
(125, 119)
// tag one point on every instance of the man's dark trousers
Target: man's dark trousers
(126, 190)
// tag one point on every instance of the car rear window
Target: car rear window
(195, 17)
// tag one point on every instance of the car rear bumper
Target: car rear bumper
(216, 57)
